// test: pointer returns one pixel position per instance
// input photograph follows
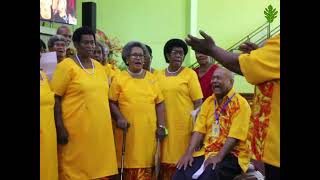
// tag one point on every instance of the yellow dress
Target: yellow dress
(262, 68)
(137, 99)
(90, 152)
(179, 93)
(48, 138)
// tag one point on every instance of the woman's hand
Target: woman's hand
(161, 133)
(123, 123)
(62, 135)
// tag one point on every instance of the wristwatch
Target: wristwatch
(165, 129)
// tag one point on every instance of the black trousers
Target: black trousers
(272, 172)
(227, 169)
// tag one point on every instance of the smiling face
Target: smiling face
(176, 56)
(221, 82)
(60, 48)
(135, 59)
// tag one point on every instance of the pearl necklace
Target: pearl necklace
(85, 68)
(173, 71)
(135, 74)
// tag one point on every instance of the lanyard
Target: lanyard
(216, 116)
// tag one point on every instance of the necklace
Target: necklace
(85, 68)
(173, 71)
(135, 74)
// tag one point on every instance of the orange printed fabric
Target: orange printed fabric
(138, 173)
(167, 171)
(234, 122)
(260, 118)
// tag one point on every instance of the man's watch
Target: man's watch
(165, 129)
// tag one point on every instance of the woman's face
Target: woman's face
(136, 59)
(86, 45)
(202, 59)
(176, 56)
(98, 54)
(147, 61)
(60, 48)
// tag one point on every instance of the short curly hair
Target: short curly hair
(85, 30)
(54, 39)
(126, 50)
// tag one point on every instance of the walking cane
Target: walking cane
(157, 161)
(123, 152)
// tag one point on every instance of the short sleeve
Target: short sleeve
(194, 86)
(200, 125)
(159, 97)
(115, 88)
(61, 78)
(240, 121)
(263, 64)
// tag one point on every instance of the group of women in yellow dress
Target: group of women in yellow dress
(84, 99)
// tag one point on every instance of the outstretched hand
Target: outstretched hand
(247, 47)
(203, 46)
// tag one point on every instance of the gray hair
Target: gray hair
(126, 50)
(54, 39)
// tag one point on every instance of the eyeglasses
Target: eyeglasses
(137, 56)
(59, 44)
(174, 53)
(93, 43)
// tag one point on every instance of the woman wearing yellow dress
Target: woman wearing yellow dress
(135, 98)
(48, 138)
(182, 93)
(148, 61)
(86, 147)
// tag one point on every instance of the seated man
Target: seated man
(222, 125)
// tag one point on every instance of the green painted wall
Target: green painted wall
(154, 22)
(228, 21)
(149, 21)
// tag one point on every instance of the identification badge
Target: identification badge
(215, 130)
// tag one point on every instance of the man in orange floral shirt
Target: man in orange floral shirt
(260, 67)
(223, 126)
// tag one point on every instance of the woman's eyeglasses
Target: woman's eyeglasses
(175, 52)
(137, 56)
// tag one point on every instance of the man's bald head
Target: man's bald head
(222, 82)
(65, 32)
